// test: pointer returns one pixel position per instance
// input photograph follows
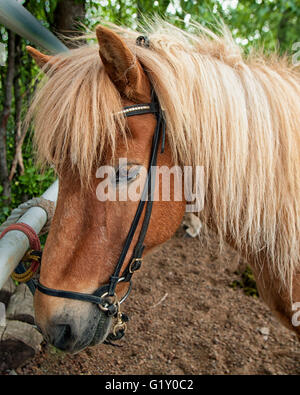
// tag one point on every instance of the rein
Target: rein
(105, 296)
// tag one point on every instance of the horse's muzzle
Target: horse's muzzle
(71, 333)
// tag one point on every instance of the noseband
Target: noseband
(105, 296)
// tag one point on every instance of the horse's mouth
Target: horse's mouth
(96, 334)
(94, 331)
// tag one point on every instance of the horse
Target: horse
(213, 106)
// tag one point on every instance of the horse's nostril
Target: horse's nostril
(61, 336)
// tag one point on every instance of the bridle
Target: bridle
(105, 296)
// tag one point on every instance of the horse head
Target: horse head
(88, 232)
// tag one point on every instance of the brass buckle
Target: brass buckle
(132, 262)
(114, 301)
(120, 324)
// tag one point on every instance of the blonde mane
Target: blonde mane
(237, 117)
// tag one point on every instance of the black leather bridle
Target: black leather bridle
(105, 296)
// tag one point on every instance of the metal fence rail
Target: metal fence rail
(14, 244)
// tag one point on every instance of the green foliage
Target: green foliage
(273, 24)
(24, 187)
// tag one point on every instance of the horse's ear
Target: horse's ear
(123, 68)
(40, 59)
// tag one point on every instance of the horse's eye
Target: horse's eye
(127, 173)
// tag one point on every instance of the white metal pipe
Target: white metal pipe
(17, 18)
(14, 244)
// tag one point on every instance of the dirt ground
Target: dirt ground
(186, 319)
